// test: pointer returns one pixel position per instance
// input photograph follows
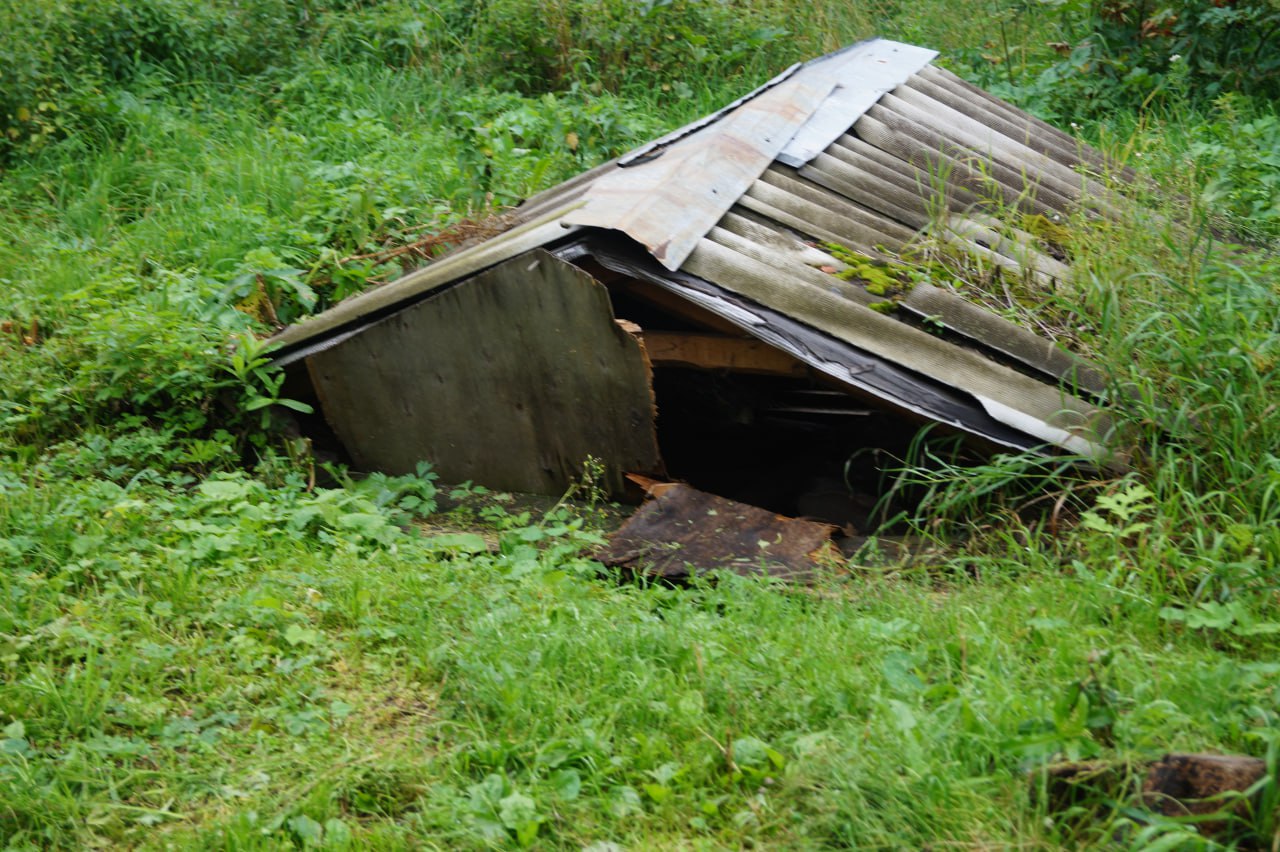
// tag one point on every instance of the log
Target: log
(1209, 786)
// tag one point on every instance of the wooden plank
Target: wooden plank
(682, 531)
(510, 379)
(717, 352)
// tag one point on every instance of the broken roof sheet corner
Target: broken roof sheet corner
(668, 194)
(737, 215)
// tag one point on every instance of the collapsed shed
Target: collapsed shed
(723, 305)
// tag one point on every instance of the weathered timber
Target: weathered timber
(682, 531)
(1198, 785)
(510, 379)
(1212, 791)
(718, 352)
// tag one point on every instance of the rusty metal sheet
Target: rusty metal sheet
(682, 531)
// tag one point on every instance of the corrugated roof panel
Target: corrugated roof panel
(1014, 250)
(1055, 146)
(1035, 167)
(850, 148)
(793, 266)
(667, 203)
(851, 222)
(864, 75)
(899, 388)
(986, 144)
(921, 181)
(1006, 394)
(966, 92)
(869, 189)
(925, 147)
(773, 239)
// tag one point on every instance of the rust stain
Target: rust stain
(681, 531)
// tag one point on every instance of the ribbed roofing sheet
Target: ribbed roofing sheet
(668, 199)
(869, 148)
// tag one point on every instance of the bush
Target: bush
(543, 46)
(1238, 154)
(58, 58)
(1130, 54)
(156, 357)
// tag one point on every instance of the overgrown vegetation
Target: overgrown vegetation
(202, 646)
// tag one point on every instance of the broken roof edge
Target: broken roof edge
(792, 118)
(557, 205)
(895, 386)
(372, 304)
(876, 67)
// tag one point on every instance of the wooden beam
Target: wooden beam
(717, 352)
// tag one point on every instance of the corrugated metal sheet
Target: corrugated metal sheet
(667, 195)
(868, 72)
(870, 148)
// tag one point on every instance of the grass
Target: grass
(201, 649)
(407, 695)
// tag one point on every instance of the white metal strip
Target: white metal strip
(863, 76)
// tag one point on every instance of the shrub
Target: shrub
(1238, 154)
(542, 46)
(1127, 54)
(58, 58)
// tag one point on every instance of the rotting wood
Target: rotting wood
(1212, 789)
(682, 531)
(1077, 784)
(1199, 785)
(510, 379)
